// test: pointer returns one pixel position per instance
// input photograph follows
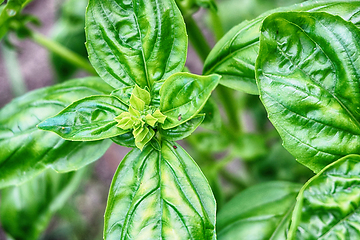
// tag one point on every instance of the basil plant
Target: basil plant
(304, 63)
(142, 100)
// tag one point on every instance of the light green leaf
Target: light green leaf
(327, 206)
(143, 137)
(88, 119)
(159, 116)
(183, 130)
(141, 94)
(137, 103)
(26, 210)
(135, 113)
(261, 212)
(159, 195)
(26, 151)
(234, 56)
(183, 95)
(308, 77)
(124, 121)
(151, 120)
(135, 42)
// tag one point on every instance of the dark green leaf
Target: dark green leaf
(159, 195)
(88, 119)
(261, 212)
(308, 78)
(328, 204)
(183, 130)
(183, 95)
(135, 42)
(234, 56)
(26, 151)
(126, 140)
(26, 210)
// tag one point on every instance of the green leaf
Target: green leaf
(159, 195)
(137, 103)
(123, 94)
(141, 94)
(155, 94)
(159, 116)
(149, 119)
(328, 204)
(26, 151)
(183, 95)
(308, 76)
(126, 140)
(135, 42)
(261, 212)
(88, 119)
(26, 210)
(234, 56)
(183, 130)
(125, 121)
(142, 136)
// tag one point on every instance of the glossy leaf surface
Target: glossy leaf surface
(234, 56)
(159, 195)
(25, 211)
(88, 119)
(261, 212)
(308, 78)
(126, 140)
(183, 95)
(327, 207)
(183, 130)
(26, 151)
(135, 42)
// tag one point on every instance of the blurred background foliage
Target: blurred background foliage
(233, 153)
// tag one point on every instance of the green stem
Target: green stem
(13, 71)
(63, 52)
(202, 48)
(217, 26)
(196, 37)
(226, 96)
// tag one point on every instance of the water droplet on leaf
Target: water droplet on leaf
(11, 12)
